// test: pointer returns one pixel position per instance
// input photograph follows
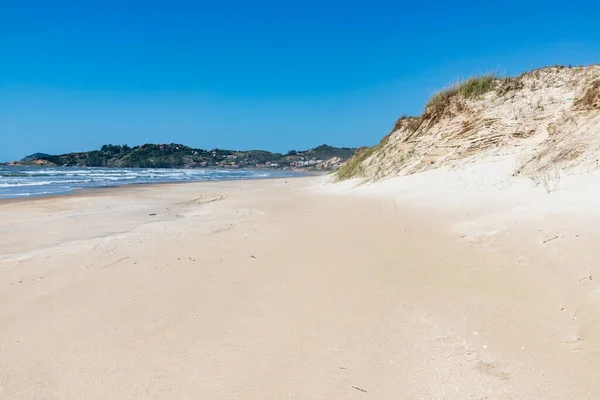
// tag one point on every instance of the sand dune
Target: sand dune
(547, 119)
(299, 289)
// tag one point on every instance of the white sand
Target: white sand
(434, 286)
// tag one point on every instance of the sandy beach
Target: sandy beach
(299, 289)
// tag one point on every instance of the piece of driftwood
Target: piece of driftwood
(547, 240)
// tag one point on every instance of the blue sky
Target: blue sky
(262, 74)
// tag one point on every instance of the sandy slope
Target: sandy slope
(299, 290)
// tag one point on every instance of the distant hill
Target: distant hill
(180, 156)
(325, 152)
(36, 156)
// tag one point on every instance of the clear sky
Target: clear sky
(274, 75)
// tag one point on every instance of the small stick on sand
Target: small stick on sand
(357, 388)
(547, 240)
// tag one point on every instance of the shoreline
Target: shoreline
(100, 189)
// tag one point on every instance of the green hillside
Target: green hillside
(180, 156)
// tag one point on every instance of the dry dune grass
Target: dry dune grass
(591, 98)
(471, 87)
(412, 123)
(352, 167)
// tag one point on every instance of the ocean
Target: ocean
(20, 182)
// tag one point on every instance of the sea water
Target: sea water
(19, 181)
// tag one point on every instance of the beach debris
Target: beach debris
(548, 240)
(152, 214)
(577, 340)
(590, 277)
(343, 368)
(357, 388)
(252, 256)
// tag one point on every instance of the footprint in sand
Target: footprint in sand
(203, 199)
(491, 369)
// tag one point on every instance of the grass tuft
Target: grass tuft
(468, 88)
(353, 167)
